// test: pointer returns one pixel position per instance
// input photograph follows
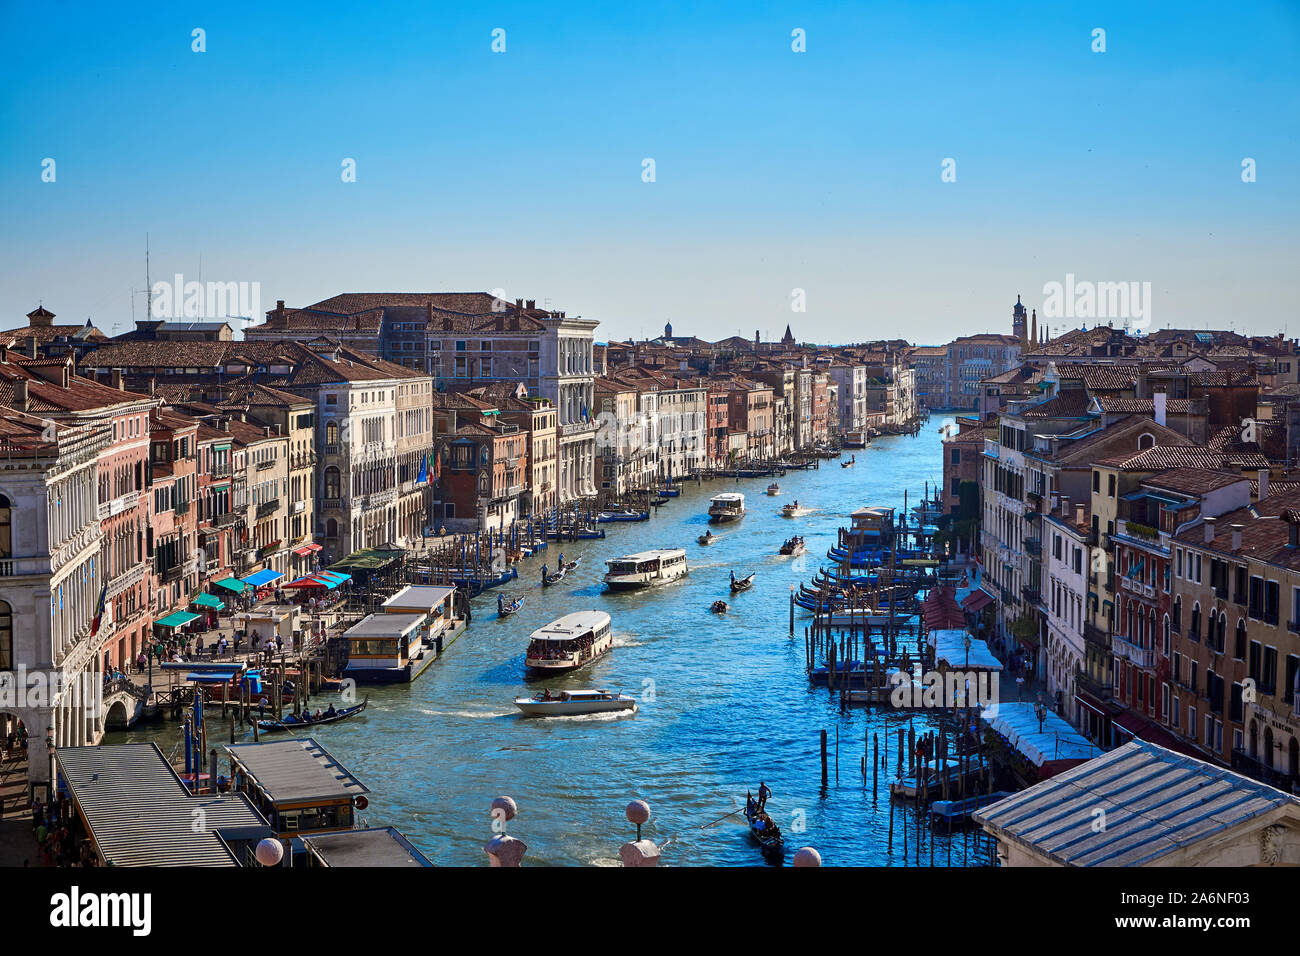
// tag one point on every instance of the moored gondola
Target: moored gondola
(300, 723)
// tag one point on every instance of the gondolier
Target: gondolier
(764, 791)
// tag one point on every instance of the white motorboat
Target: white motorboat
(791, 510)
(728, 506)
(773, 490)
(574, 640)
(567, 702)
(645, 569)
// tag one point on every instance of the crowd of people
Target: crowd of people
(56, 840)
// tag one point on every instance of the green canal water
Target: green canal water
(724, 701)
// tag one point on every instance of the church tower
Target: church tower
(668, 330)
(788, 339)
(1020, 322)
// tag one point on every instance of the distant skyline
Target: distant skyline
(774, 170)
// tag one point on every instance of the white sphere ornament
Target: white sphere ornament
(807, 856)
(638, 812)
(269, 852)
(504, 807)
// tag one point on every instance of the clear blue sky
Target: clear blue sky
(775, 170)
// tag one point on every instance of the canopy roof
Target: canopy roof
(259, 578)
(208, 600)
(232, 584)
(179, 619)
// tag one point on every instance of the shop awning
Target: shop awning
(306, 549)
(260, 578)
(232, 584)
(310, 581)
(179, 619)
(333, 576)
(208, 600)
(977, 600)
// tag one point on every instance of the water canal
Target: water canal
(724, 699)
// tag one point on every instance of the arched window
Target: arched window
(1146, 440)
(1196, 621)
(6, 637)
(6, 529)
(331, 528)
(331, 482)
(1177, 622)
(331, 433)
(1239, 641)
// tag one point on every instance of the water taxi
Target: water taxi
(707, 538)
(572, 641)
(728, 506)
(645, 569)
(773, 490)
(794, 546)
(791, 510)
(568, 702)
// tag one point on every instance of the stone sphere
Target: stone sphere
(807, 856)
(504, 807)
(638, 812)
(269, 852)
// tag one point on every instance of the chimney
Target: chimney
(532, 303)
(153, 386)
(20, 394)
(225, 424)
(1209, 530)
(4, 355)
(266, 431)
(1078, 514)
(519, 305)
(1263, 484)
(1236, 536)
(30, 346)
(279, 305)
(1140, 386)
(1291, 517)
(1161, 403)
(117, 379)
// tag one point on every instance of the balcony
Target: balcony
(223, 520)
(1096, 636)
(1031, 594)
(1143, 657)
(268, 507)
(1034, 547)
(266, 465)
(174, 573)
(121, 503)
(1256, 768)
(1090, 685)
(219, 471)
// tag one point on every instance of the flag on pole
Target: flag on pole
(99, 610)
(424, 469)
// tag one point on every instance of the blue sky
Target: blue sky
(775, 170)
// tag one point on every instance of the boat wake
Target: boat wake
(473, 714)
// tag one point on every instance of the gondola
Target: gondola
(764, 830)
(298, 723)
(504, 609)
(849, 463)
(719, 607)
(570, 565)
(742, 584)
(553, 577)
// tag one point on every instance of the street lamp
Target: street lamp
(1040, 712)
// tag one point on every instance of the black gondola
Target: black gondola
(742, 584)
(764, 830)
(506, 609)
(297, 723)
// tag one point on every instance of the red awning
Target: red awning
(977, 600)
(940, 610)
(1144, 729)
(306, 549)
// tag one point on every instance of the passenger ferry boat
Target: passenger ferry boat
(569, 702)
(645, 569)
(857, 438)
(572, 641)
(728, 506)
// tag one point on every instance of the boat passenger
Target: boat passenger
(331, 712)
